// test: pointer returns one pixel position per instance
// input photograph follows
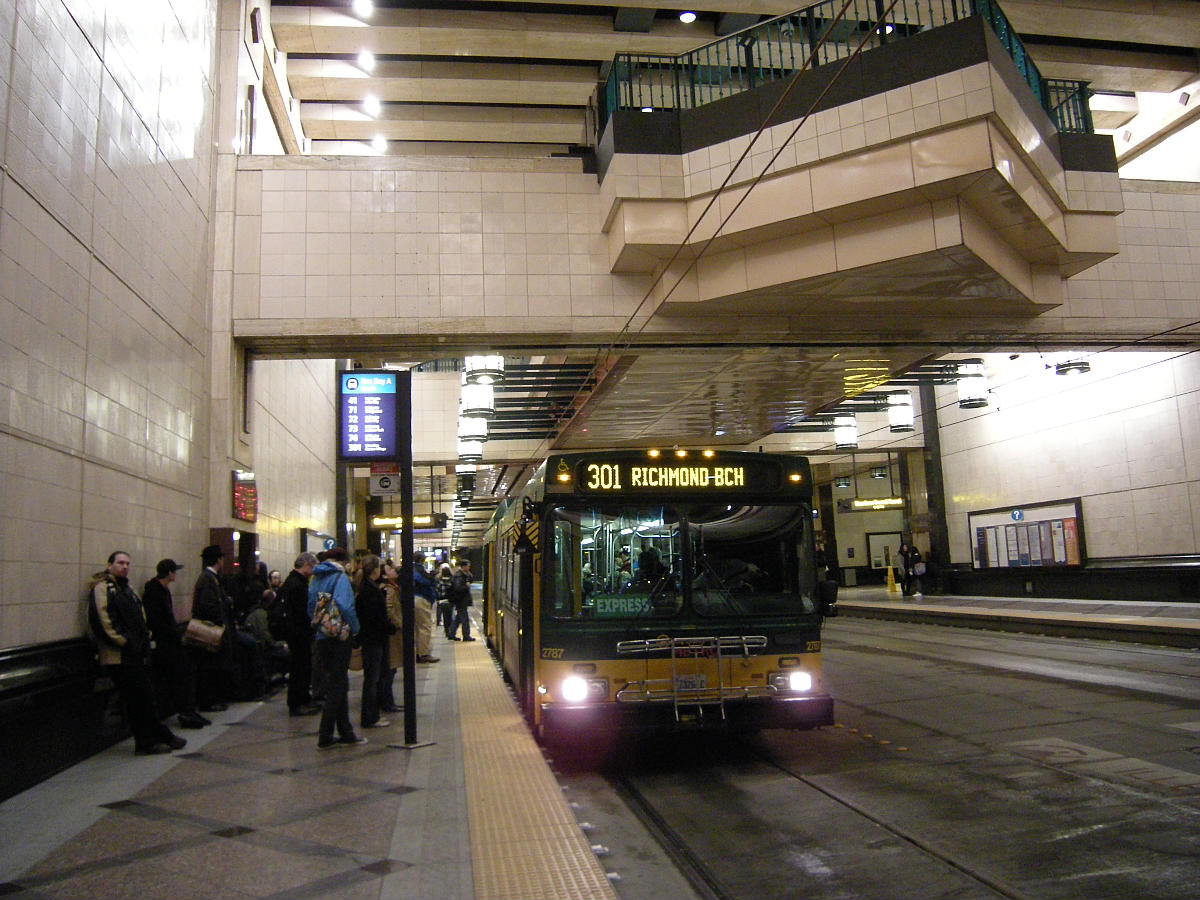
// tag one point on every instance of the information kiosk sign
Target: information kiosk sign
(367, 424)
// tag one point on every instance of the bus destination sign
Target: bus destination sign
(667, 476)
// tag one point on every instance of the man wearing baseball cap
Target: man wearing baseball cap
(173, 671)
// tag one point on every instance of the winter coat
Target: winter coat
(117, 622)
(371, 607)
(329, 577)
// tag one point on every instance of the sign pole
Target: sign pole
(407, 606)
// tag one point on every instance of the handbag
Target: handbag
(327, 618)
(205, 635)
(919, 568)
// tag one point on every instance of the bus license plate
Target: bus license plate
(691, 682)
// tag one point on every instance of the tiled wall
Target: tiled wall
(413, 244)
(1124, 437)
(1156, 276)
(293, 423)
(106, 199)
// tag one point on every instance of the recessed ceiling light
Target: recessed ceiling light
(687, 18)
(363, 8)
(379, 142)
(371, 105)
(647, 109)
(366, 60)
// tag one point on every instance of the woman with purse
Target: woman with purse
(331, 610)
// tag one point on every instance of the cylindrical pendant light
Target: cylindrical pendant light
(845, 432)
(472, 428)
(484, 369)
(972, 384)
(478, 400)
(900, 412)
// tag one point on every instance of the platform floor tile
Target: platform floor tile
(525, 842)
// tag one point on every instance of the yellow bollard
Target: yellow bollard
(892, 587)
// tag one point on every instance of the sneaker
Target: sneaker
(379, 723)
(468, 639)
(176, 742)
(325, 745)
(155, 750)
(309, 710)
(425, 660)
(352, 740)
(186, 721)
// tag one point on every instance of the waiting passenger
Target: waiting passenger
(293, 597)
(123, 643)
(445, 609)
(210, 603)
(329, 577)
(374, 629)
(173, 669)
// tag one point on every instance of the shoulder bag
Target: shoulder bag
(205, 635)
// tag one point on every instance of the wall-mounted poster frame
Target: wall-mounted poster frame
(1037, 535)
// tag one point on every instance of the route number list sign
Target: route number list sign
(367, 423)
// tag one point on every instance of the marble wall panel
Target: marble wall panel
(1124, 437)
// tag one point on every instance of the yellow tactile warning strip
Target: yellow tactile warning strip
(525, 842)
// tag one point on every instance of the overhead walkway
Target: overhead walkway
(1167, 623)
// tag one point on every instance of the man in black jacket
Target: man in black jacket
(210, 603)
(293, 597)
(119, 626)
(172, 668)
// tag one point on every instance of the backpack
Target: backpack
(327, 617)
(460, 586)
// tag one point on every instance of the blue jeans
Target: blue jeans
(461, 618)
(374, 657)
(335, 663)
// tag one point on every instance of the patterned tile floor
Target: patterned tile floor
(251, 808)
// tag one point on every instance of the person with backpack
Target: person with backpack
(459, 594)
(445, 609)
(331, 592)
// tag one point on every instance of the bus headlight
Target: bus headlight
(796, 680)
(575, 689)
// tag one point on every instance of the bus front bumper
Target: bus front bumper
(566, 721)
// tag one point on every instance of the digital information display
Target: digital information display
(367, 416)
(727, 473)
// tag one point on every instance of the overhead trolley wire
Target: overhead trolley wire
(624, 338)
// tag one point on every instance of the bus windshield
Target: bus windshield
(658, 561)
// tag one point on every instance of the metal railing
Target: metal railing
(773, 50)
(692, 659)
